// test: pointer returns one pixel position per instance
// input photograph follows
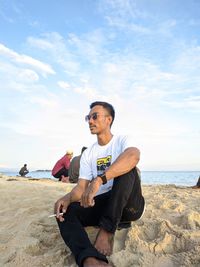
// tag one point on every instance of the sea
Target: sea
(179, 178)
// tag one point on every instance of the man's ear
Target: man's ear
(110, 119)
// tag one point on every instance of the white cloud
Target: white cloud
(89, 92)
(16, 78)
(74, 51)
(27, 60)
(191, 103)
(166, 27)
(93, 68)
(124, 15)
(27, 75)
(64, 85)
(88, 46)
(124, 9)
(123, 25)
(44, 102)
(57, 47)
(40, 43)
(188, 61)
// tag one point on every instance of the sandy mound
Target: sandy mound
(167, 235)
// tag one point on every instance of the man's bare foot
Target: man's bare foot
(93, 262)
(104, 242)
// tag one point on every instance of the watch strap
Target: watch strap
(103, 178)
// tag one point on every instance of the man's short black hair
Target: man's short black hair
(107, 106)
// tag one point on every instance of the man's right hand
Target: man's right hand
(63, 203)
(61, 206)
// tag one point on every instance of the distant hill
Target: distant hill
(43, 171)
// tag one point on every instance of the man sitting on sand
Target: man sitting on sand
(107, 194)
(61, 168)
(23, 171)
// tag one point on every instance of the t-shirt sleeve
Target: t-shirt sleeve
(85, 167)
(126, 141)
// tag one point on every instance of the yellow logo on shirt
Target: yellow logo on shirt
(103, 163)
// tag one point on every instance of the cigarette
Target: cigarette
(54, 215)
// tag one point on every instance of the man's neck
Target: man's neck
(104, 139)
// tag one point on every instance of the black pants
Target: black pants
(61, 172)
(24, 173)
(198, 183)
(124, 203)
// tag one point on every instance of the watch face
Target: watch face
(103, 177)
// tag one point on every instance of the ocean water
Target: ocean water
(187, 178)
(182, 178)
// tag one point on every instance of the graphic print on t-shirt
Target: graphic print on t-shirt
(103, 164)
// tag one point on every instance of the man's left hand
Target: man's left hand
(87, 199)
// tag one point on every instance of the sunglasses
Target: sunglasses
(93, 116)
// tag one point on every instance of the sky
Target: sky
(57, 57)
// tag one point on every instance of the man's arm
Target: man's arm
(75, 195)
(124, 163)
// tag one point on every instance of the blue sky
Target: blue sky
(56, 57)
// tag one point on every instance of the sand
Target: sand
(167, 235)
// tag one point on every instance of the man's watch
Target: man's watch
(103, 178)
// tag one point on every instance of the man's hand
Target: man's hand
(61, 205)
(87, 199)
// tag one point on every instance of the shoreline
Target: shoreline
(179, 178)
(167, 235)
(43, 179)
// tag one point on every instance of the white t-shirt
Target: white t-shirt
(96, 159)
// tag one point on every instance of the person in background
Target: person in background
(74, 167)
(23, 171)
(61, 168)
(108, 191)
(197, 186)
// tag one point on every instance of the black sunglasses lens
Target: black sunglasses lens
(94, 116)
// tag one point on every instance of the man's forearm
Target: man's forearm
(77, 192)
(124, 163)
(74, 195)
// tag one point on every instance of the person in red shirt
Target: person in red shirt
(61, 168)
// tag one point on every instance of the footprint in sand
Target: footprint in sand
(160, 237)
(190, 221)
(44, 236)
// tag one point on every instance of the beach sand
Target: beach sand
(167, 235)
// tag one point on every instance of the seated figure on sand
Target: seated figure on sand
(107, 194)
(75, 166)
(197, 186)
(61, 168)
(23, 171)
